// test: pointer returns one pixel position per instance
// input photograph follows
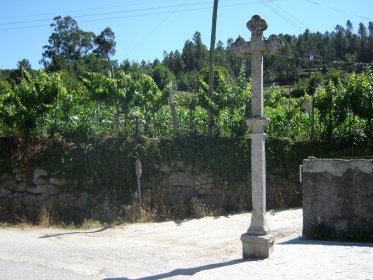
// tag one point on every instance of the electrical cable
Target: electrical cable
(130, 10)
(291, 15)
(152, 31)
(282, 16)
(240, 3)
(336, 10)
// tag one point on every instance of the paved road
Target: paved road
(207, 248)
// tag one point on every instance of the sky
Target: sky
(144, 29)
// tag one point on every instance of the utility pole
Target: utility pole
(211, 64)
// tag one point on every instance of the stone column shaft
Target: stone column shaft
(258, 224)
(257, 84)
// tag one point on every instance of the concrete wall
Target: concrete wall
(338, 199)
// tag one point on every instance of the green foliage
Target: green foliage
(104, 167)
(105, 43)
(131, 100)
(163, 76)
(332, 105)
(222, 95)
(360, 93)
(287, 116)
(188, 81)
(315, 80)
(23, 104)
(195, 54)
(228, 102)
(101, 87)
(67, 44)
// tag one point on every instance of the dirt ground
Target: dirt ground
(208, 248)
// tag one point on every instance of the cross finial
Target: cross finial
(256, 25)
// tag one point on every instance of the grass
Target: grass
(158, 205)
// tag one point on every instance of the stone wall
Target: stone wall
(338, 199)
(24, 195)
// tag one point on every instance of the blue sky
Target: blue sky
(144, 29)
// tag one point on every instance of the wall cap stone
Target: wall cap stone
(337, 167)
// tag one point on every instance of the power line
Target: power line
(109, 13)
(135, 13)
(84, 10)
(153, 30)
(128, 11)
(335, 9)
(281, 15)
(291, 15)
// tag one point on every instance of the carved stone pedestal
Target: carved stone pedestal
(257, 246)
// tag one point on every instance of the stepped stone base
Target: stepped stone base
(257, 246)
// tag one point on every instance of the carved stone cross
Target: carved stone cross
(256, 48)
(256, 242)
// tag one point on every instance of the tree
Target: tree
(340, 42)
(17, 75)
(23, 65)
(162, 76)
(106, 46)
(194, 53)
(363, 36)
(234, 61)
(221, 55)
(201, 51)
(370, 43)
(178, 64)
(188, 81)
(189, 56)
(173, 61)
(67, 44)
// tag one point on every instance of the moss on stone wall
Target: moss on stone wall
(218, 169)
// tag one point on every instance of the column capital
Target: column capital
(257, 124)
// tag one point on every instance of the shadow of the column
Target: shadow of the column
(184, 271)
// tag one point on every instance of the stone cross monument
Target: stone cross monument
(257, 243)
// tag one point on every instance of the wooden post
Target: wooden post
(138, 168)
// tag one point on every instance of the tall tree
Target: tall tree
(340, 42)
(162, 76)
(106, 46)
(18, 75)
(201, 51)
(370, 42)
(23, 65)
(195, 53)
(66, 44)
(221, 55)
(189, 56)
